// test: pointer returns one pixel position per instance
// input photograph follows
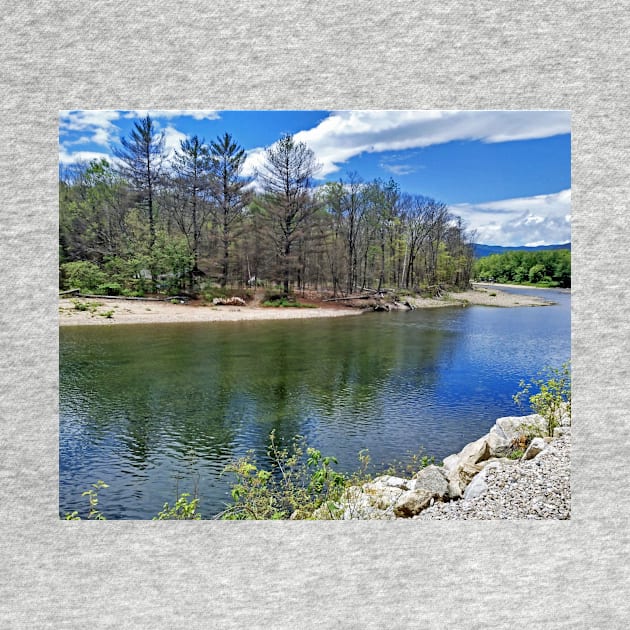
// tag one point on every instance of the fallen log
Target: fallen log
(349, 297)
(124, 297)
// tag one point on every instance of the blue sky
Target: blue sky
(506, 173)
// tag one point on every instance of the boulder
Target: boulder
(537, 445)
(380, 497)
(388, 481)
(432, 479)
(499, 446)
(361, 502)
(461, 468)
(511, 427)
(412, 502)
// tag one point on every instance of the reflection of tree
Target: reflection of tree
(208, 389)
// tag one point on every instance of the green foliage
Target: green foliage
(549, 396)
(275, 298)
(94, 513)
(183, 510)
(86, 306)
(297, 481)
(109, 288)
(412, 463)
(82, 274)
(287, 303)
(107, 314)
(516, 453)
(547, 268)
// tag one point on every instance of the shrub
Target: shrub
(93, 513)
(298, 480)
(411, 465)
(83, 275)
(183, 510)
(552, 397)
(109, 288)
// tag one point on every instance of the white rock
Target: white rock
(431, 478)
(511, 427)
(537, 445)
(411, 503)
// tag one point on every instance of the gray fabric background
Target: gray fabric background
(255, 55)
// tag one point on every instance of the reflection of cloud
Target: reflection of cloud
(542, 219)
(346, 134)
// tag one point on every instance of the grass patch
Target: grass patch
(287, 303)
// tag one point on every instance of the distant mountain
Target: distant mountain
(486, 250)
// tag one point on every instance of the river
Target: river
(153, 410)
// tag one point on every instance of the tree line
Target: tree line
(551, 268)
(150, 223)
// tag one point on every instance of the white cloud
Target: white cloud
(97, 125)
(346, 134)
(541, 219)
(197, 114)
(172, 140)
(81, 157)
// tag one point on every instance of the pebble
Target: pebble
(536, 489)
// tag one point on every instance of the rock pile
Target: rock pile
(479, 482)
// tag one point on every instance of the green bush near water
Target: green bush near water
(549, 395)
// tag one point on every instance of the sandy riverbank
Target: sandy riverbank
(482, 296)
(144, 312)
(140, 312)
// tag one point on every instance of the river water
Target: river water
(158, 409)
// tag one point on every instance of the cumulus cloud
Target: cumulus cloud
(172, 140)
(97, 126)
(537, 220)
(346, 134)
(82, 157)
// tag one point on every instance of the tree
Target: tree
(228, 192)
(142, 156)
(191, 208)
(288, 203)
(93, 213)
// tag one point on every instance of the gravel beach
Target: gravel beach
(536, 489)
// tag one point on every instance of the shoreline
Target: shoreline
(127, 312)
(123, 311)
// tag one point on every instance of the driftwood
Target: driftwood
(123, 297)
(228, 301)
(349, 297)
(69, 291)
